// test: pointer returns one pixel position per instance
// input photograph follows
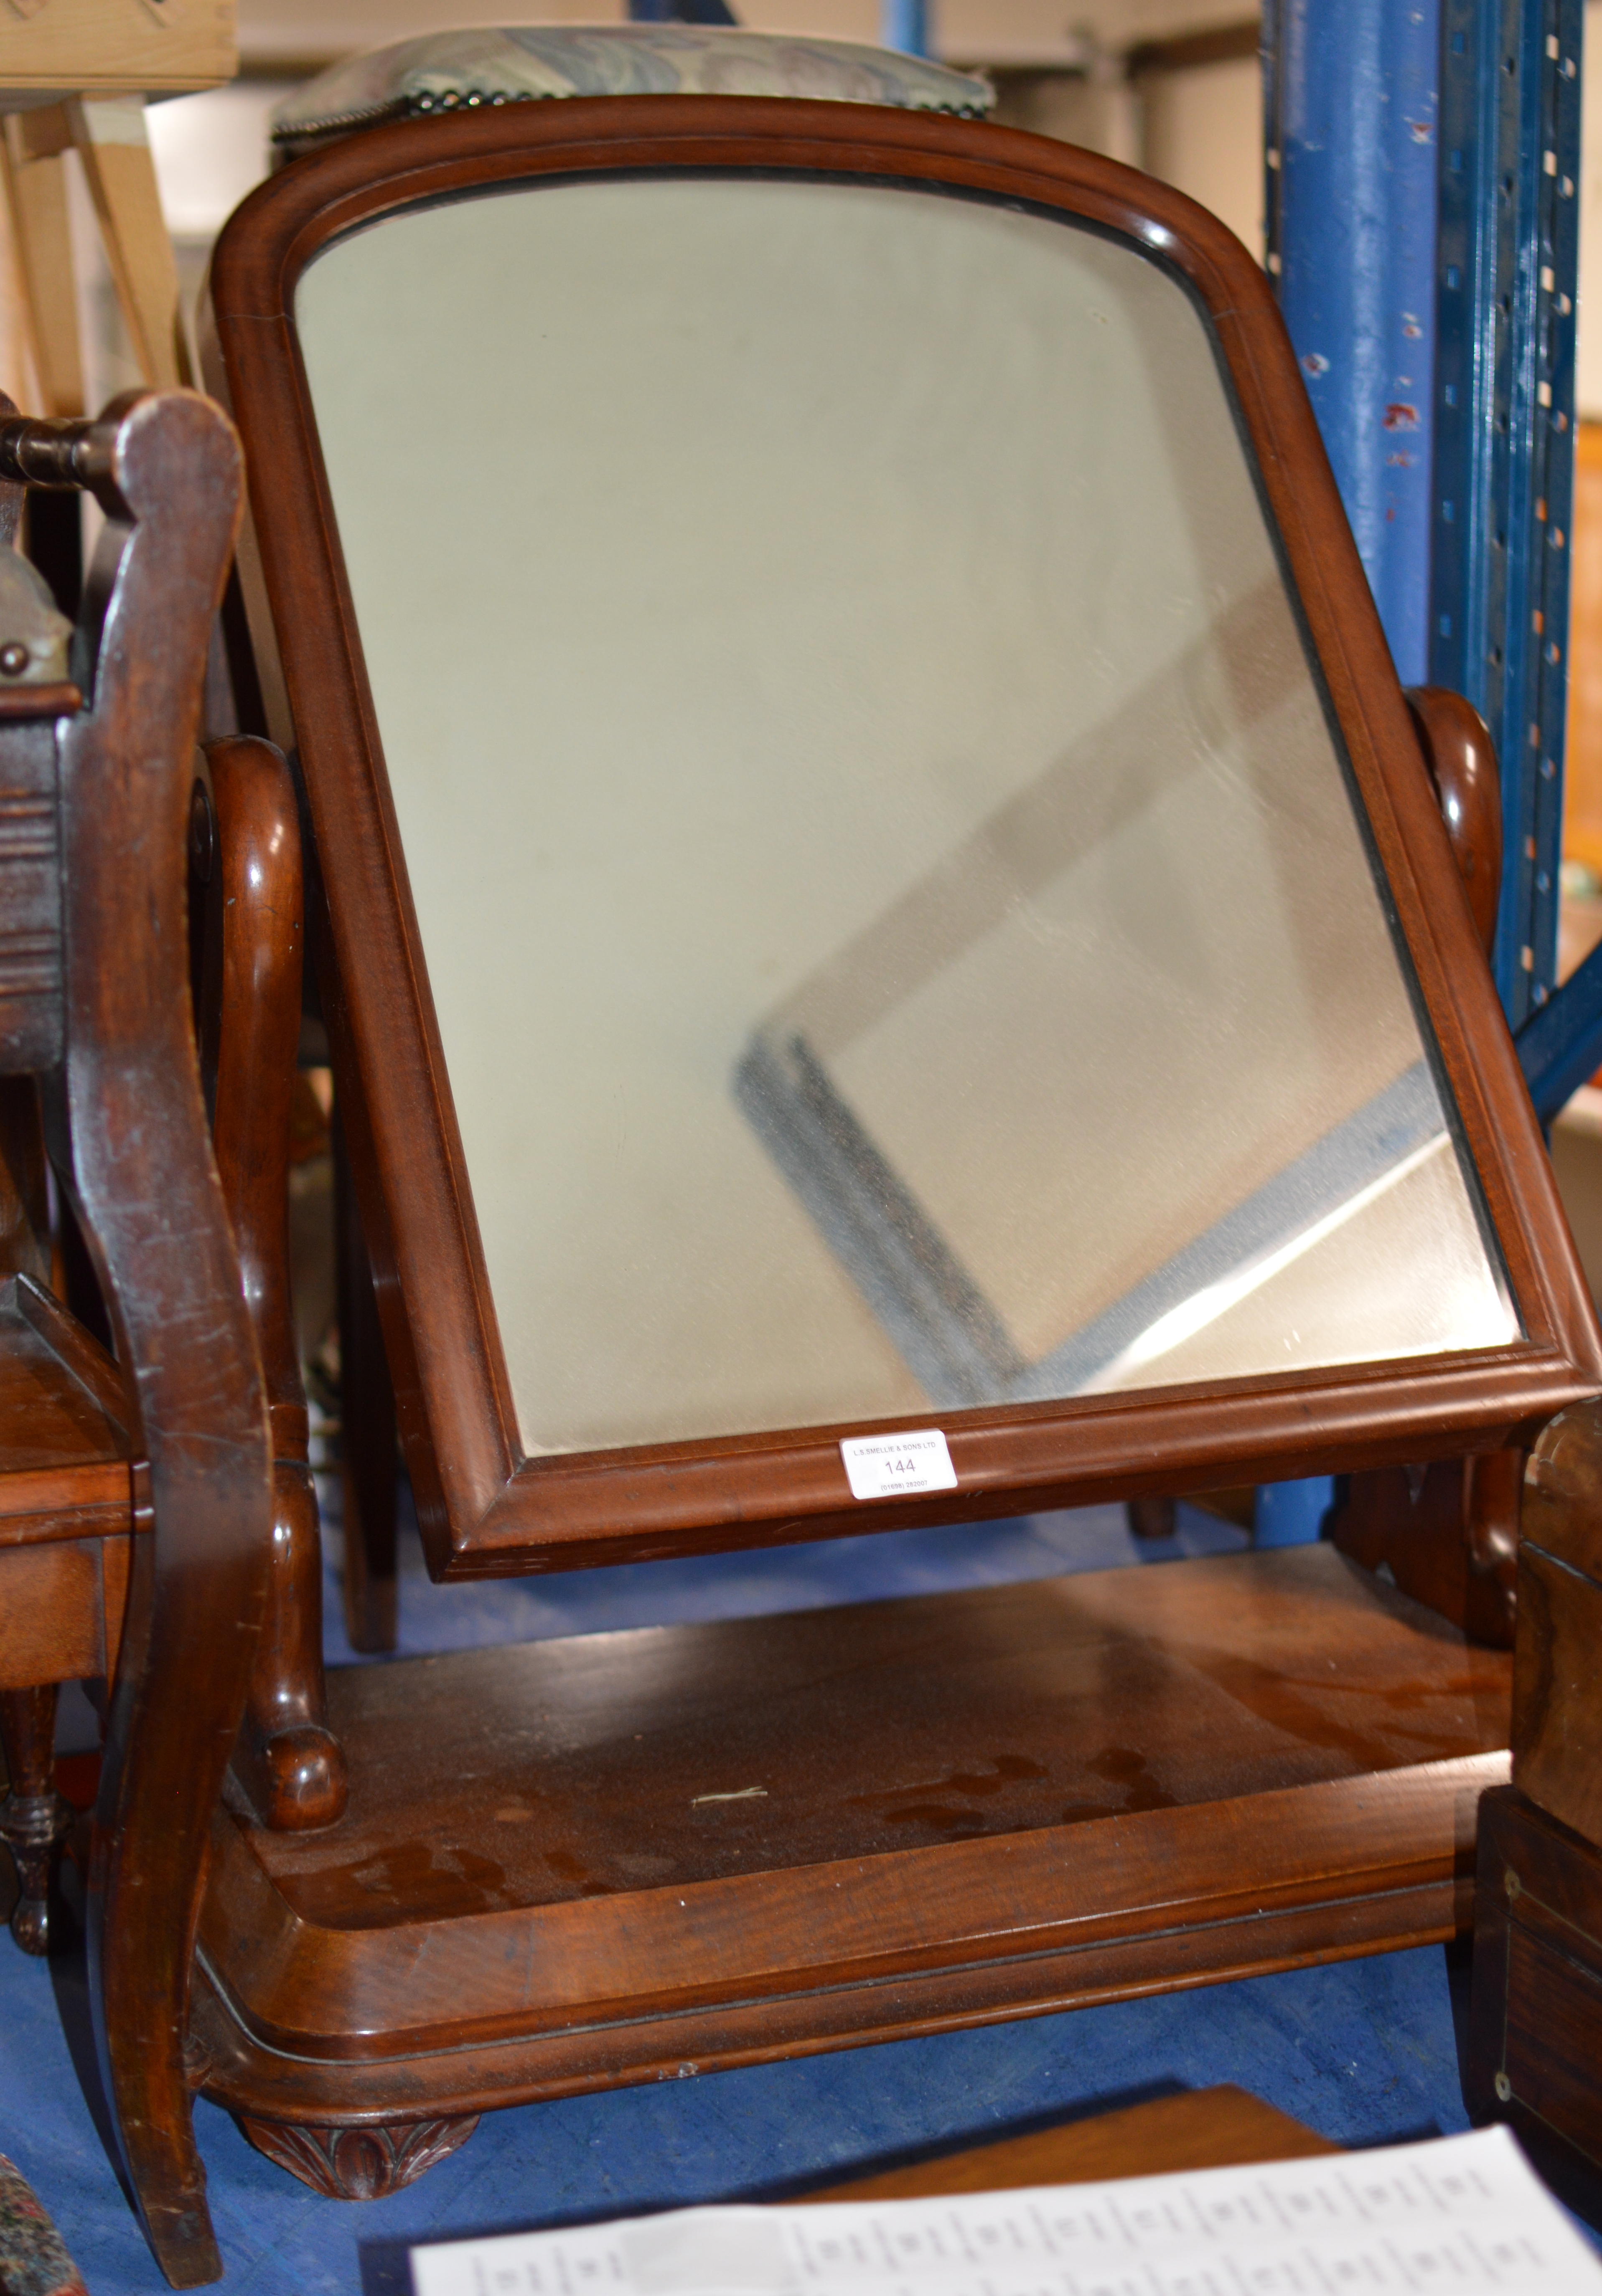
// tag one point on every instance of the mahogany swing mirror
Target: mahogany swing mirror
(880, 885)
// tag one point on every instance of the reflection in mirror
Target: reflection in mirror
(899, 929)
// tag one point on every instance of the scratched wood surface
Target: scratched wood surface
(60, 1442)
(609, 1763)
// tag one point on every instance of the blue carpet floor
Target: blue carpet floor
(1364, 2051)
(804, 1577)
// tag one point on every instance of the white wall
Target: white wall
(996, 31)
(1201, 130)
(1203, 133)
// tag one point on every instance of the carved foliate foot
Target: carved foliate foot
(32, 1826)
(358, 2164)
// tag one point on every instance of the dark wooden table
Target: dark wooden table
(1222, 2127)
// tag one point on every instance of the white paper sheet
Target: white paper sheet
(1453, 2216)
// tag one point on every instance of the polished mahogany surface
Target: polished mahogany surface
(61, 1421)
(1220, 2128)
(1535, 2016)
(569, 1865)
(635, 1760)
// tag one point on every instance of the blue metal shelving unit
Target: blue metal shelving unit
(1504, 431)
(681, 12)
(1423, 170)
(1423, 167)
(1350, 90)
(904, 24)
(1424, 164)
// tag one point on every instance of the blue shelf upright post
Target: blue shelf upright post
(1350, 115)
(1350, 120)
(681, 12)
(1505, 443)
(1423, 164)
(1423, 170)
(904, 24)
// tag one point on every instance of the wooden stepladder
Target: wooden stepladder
(74, 77)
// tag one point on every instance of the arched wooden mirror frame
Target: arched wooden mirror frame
(485, 1509)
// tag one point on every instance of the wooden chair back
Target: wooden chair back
(169, 1453)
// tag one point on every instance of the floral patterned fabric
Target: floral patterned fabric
(33, 2261)
(456, 70)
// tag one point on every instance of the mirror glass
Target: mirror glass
(900, 927)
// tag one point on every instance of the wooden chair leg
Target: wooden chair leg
(36, 192)
(111, 140)
(371, 1475)
(34, 1818)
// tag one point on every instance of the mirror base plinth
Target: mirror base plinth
(702, 1845)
